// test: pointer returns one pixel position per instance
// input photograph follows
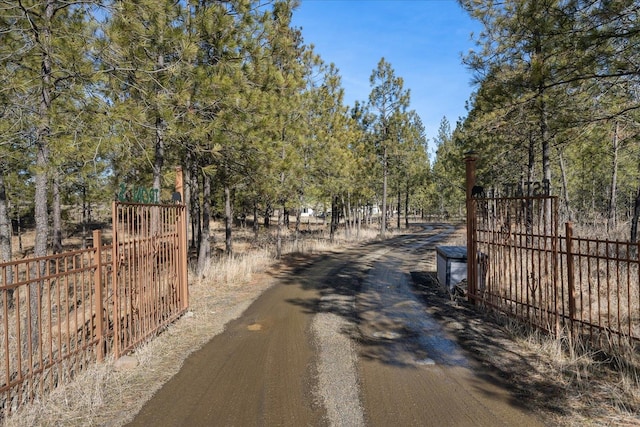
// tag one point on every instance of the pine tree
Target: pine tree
(143, 52)
(46, 68)
(388, 99)
(553, 74)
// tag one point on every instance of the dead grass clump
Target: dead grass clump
(602, 229)
(74, 403)
(235, 270)
(599, 388)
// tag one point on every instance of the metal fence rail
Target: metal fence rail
(61, 312)
(51, 320)
(601, 282)
(527, 269)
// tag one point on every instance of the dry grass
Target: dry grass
(598, 389)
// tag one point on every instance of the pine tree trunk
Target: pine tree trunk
(85, 212)
(160, 130)
(186, 197)
(298, 221)
(359, 216)
(565, 188)
(383, 226)
(204, 252)
(228, 220)
(42, 161)
(398, 208)
(347, 218)
(611, 223)
(279, 233)
(256, 226)
(5, 238)
(267, 216)
(57, 215)
(530, 176)
(635, 219)
(158, 154)
(334, 218)
(196, 225)
(406, 206)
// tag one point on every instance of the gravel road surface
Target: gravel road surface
(344, 340)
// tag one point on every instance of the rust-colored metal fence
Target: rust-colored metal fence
(527, 266)
(517, 258)
(61, 312)
(150, 265)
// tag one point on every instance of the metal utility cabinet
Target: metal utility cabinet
(451, 264)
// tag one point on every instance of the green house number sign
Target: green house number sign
(138, 195)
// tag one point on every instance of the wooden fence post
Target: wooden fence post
(472, 262)
(97, 283)
(570, 276)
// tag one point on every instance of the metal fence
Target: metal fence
(64, 311)
(527, 266)
(151, 269)
(528, 269)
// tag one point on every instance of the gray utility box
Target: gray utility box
(451, 265)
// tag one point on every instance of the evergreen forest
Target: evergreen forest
(102, 98)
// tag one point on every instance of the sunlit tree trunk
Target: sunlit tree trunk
(565, 188)
(614, 179)
(5, 237)
(204, 253)
(228, 221)
(56, 212)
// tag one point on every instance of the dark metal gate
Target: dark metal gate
(523, 266)
(515, 242)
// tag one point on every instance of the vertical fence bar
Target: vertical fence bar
(182, 240)
(5, 338)
(97, 292)
(629, 310)
(29, 313)
(555, 262)
(570, 277)
(114, 271)
(472, 276)
(637, 261)
(618, 304)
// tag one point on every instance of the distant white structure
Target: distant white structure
(305, 212)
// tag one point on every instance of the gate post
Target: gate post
(472, 263)
(182, 243)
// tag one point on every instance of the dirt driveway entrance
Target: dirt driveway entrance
(343, 340)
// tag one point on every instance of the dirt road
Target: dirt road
(342, 341)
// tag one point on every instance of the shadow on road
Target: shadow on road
(417, 323)
(487, 342)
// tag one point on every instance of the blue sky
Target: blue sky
(423, 40)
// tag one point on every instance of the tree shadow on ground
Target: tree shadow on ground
(488, 343)
(486, 338)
